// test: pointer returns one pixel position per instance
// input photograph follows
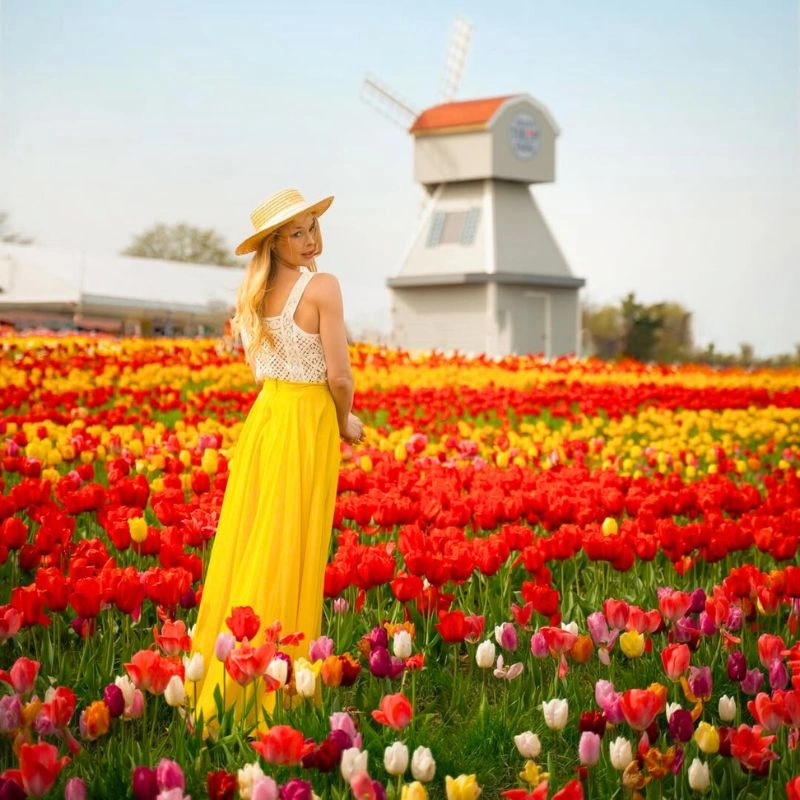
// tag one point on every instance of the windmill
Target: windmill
(483, 273)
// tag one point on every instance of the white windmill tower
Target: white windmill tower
(483, 272)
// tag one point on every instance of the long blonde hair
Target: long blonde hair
(258, 281)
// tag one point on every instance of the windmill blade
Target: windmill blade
(457, 50)
(384, 100)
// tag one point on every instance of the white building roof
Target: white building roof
(38, 276)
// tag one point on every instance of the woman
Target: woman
(271, 544)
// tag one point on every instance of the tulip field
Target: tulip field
(547, 579)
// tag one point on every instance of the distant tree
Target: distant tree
(181, 243)
(674, 337)
(7, 235)
(642, 324)
(746, 354)
(606, 330)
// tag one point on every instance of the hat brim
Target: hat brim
(251, 243)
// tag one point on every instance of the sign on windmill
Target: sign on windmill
(483, 272)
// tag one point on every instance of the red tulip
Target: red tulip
(768, 712)
(395, 711)
(151, 672)
(640, 707)
(10, 622)
(245, 663)
(452, 626)
(675, 658)
(173, 637)
(22, 675)
(282, 745)
(244, 623)
(39, 767)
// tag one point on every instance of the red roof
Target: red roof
(458, 115)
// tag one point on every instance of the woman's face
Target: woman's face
(297, 241)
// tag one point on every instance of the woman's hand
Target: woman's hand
(353, 430)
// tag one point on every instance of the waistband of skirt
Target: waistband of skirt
(278, 385)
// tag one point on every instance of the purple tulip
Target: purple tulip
(778, 675)
(11, 790)
(681, 725)
(751, 683)
(265, 789)
(188, 598)
(609, 700)
(224, 644)
(378, 637)
(341, 739)
(145, 784)
(734, 621)
(737, 665)
(75, 789)
(10, 713)
(707, 626)
(169, 775)
(539, 647)
(320, 648)
(589, 748)
(380, 792)
(598, 628)
(677, 762)
(114, 699)
(296, 789)
(698, 598)
(380, 662)
(700, 681)
(506, 635)
(342, 721)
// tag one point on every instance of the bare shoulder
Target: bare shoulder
(325, 286)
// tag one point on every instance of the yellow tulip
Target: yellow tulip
(533, 774)
(137, 526)
(632, 643)
(365, 462)
(400, 454)
(414, 791)
(707, 738)
(464, 787)
(610, 527)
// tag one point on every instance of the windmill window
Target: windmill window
(453, 227)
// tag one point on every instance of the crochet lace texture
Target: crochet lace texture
(296, 355)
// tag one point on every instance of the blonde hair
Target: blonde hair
(258, 281)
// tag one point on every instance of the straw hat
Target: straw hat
(276, 211)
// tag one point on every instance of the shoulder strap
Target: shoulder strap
(297, 293)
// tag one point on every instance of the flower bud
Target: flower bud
(175, 694)
(621, 753)
(423, 767)
(528, 744)
(556, 712)
(727, 708)
(224, 644)
(395, 758)
(402, 644)
(699, 778)
(353, 762)
(194, 667)
(278, 670)
(414, 791)
(305, 682)
(484, 655)
(589, 748)
(707, 738)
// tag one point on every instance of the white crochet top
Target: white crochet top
(297, 355)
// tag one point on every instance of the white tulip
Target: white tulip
(699, 779)
(126, 686)
(555, 713)
(306, 682)
(572, 627)
(175, 694)
(353, 762)
(248, 776)
(620, 752)
(484, 655)
(528, 744)
(727, 708)
(395, 758)
(423, 767)
(402, 644)
(194, 667)
(278, 670)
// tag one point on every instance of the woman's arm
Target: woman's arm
(328, 297)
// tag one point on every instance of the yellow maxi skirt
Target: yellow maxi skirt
(274, 530)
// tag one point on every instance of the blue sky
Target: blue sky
(678, 165)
